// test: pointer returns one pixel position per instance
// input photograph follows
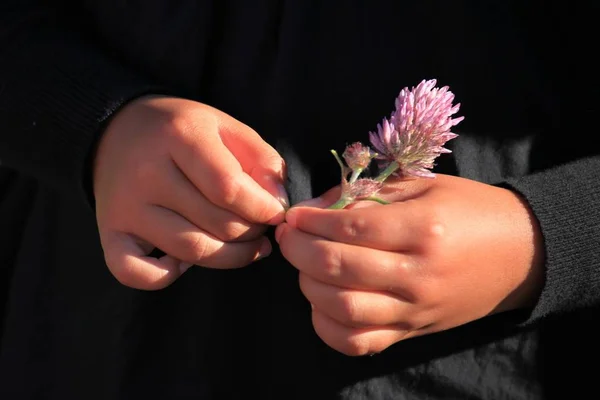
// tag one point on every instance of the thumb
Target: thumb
(127, 259)
(256, 157)
(272, 182)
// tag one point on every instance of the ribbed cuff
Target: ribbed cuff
(97, 106)
(566, 202)
(57, 97)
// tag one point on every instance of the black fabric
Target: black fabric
(308, 76)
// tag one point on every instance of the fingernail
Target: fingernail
(316, 202)
(264, 251)
(184, 267)
(274, 186)
(290, 217)
(282, 196)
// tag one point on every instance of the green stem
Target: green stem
(377, 199)
(339, 160)
(388, 171)
(344, 201)
(355, 174)
(340, 204)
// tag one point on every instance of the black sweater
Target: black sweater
(308, 75)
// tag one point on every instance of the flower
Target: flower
(407, 143)
(361, 189)
(357, 156)
(355, 188)
(417, 130)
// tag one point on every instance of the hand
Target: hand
(447, 251)
(187, 179)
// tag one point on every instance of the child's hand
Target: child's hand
(447, 251)
(188, 179)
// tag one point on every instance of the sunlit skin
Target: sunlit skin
(445, 252)
(188, 179)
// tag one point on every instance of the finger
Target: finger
(345, 265)
(213, 169)
(356, 308)
(392, 227)
(394, 190)
(322, 201)
(355, 341)
(126, 259)
(256, 157)
(177, 237)
(177, 193)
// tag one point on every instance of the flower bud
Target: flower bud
(357, 156)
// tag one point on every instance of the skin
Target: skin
(447, 251)
(188, 179)
(194, 182)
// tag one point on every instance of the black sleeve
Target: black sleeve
(566, 203)
(565, 196)
(56, 92)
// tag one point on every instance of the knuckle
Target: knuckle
(176, 125)
(436, 230)
(351, 228)
(433, 229)
(331, 261)
(404, 266)
(414, 283)
(193, 247)
(228, 190)
(352, 309)
(356, 345)
(187, 127)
